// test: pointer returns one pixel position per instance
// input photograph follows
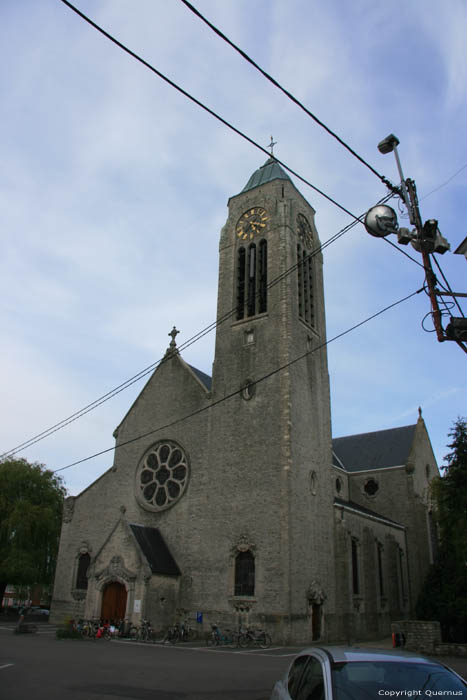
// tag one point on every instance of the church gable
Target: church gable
(174, 389)
(119, 543)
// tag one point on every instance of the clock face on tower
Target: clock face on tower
(251, 222)
(304, 231)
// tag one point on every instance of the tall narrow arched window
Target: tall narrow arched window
(263, 276)
(241, 283)
(306, 309)
(379, 553)
(355, 572)
(311, 307)
(300, 280)
(81, 576)
(245, 574)
(306, 295)
(251, 273)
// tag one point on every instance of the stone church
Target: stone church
(228, 501)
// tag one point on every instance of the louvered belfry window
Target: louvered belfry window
(252, 280)
(306, 309)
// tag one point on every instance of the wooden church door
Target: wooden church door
(113, 601)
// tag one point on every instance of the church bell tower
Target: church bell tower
(273, 434)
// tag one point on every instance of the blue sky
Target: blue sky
(114, 189)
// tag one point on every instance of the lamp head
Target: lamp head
(388, 144)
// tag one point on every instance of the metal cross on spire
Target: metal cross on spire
(173, 333)
(271, 146)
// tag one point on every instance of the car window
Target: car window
(311, 685)
(377, 679)
(295, 674)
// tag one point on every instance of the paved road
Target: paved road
(40, 667)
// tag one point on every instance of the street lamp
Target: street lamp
(389, 145)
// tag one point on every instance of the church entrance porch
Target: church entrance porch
(114, 597)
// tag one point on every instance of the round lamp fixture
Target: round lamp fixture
(381, 220)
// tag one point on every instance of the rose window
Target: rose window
(162, 476)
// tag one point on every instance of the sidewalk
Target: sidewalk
(385, 643)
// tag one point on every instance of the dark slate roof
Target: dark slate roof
(155, 550)
(368, 451)
(271, 170)
(364, 511)
(204, 378)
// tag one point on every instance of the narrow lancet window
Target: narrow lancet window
(300, 281)
(251, 304)
(311, 305)
(241, 284)
(263, 277)
(380, 569)
(355, 576)
(81, 576)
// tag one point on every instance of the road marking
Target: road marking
(5, 666)
(209, 649)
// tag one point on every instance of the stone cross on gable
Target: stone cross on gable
(173, 333)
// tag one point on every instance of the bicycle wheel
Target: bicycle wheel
(244, 641)
(134, 634)
(265, 641)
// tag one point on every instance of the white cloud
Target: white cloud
(114, 189)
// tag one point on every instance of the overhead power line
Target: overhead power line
(147, 370)
(272, 80)
(209, 110)
(443, 184)
(238, 391)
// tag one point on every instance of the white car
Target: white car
(345, 673)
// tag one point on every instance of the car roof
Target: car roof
(345, 654)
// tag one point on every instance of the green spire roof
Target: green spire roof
(271, 170)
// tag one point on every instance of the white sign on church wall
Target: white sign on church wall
(137, 607)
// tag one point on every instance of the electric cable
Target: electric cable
(205, 108)
(144, 372)
(272, 80)
(448, 286)
(238, 391)
(403, 252)
(444, 183)
(147, 370)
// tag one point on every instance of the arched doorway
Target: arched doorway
(113, 601)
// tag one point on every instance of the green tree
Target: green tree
(444, 595)
(31, 501)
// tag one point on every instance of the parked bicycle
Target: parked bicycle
(179, 633)
(218, 638)
(250, 637)
(144, 633)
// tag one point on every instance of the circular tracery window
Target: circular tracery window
(162, 476)
(371, 487)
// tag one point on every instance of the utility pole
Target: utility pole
(426, 238)
(429, 274)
